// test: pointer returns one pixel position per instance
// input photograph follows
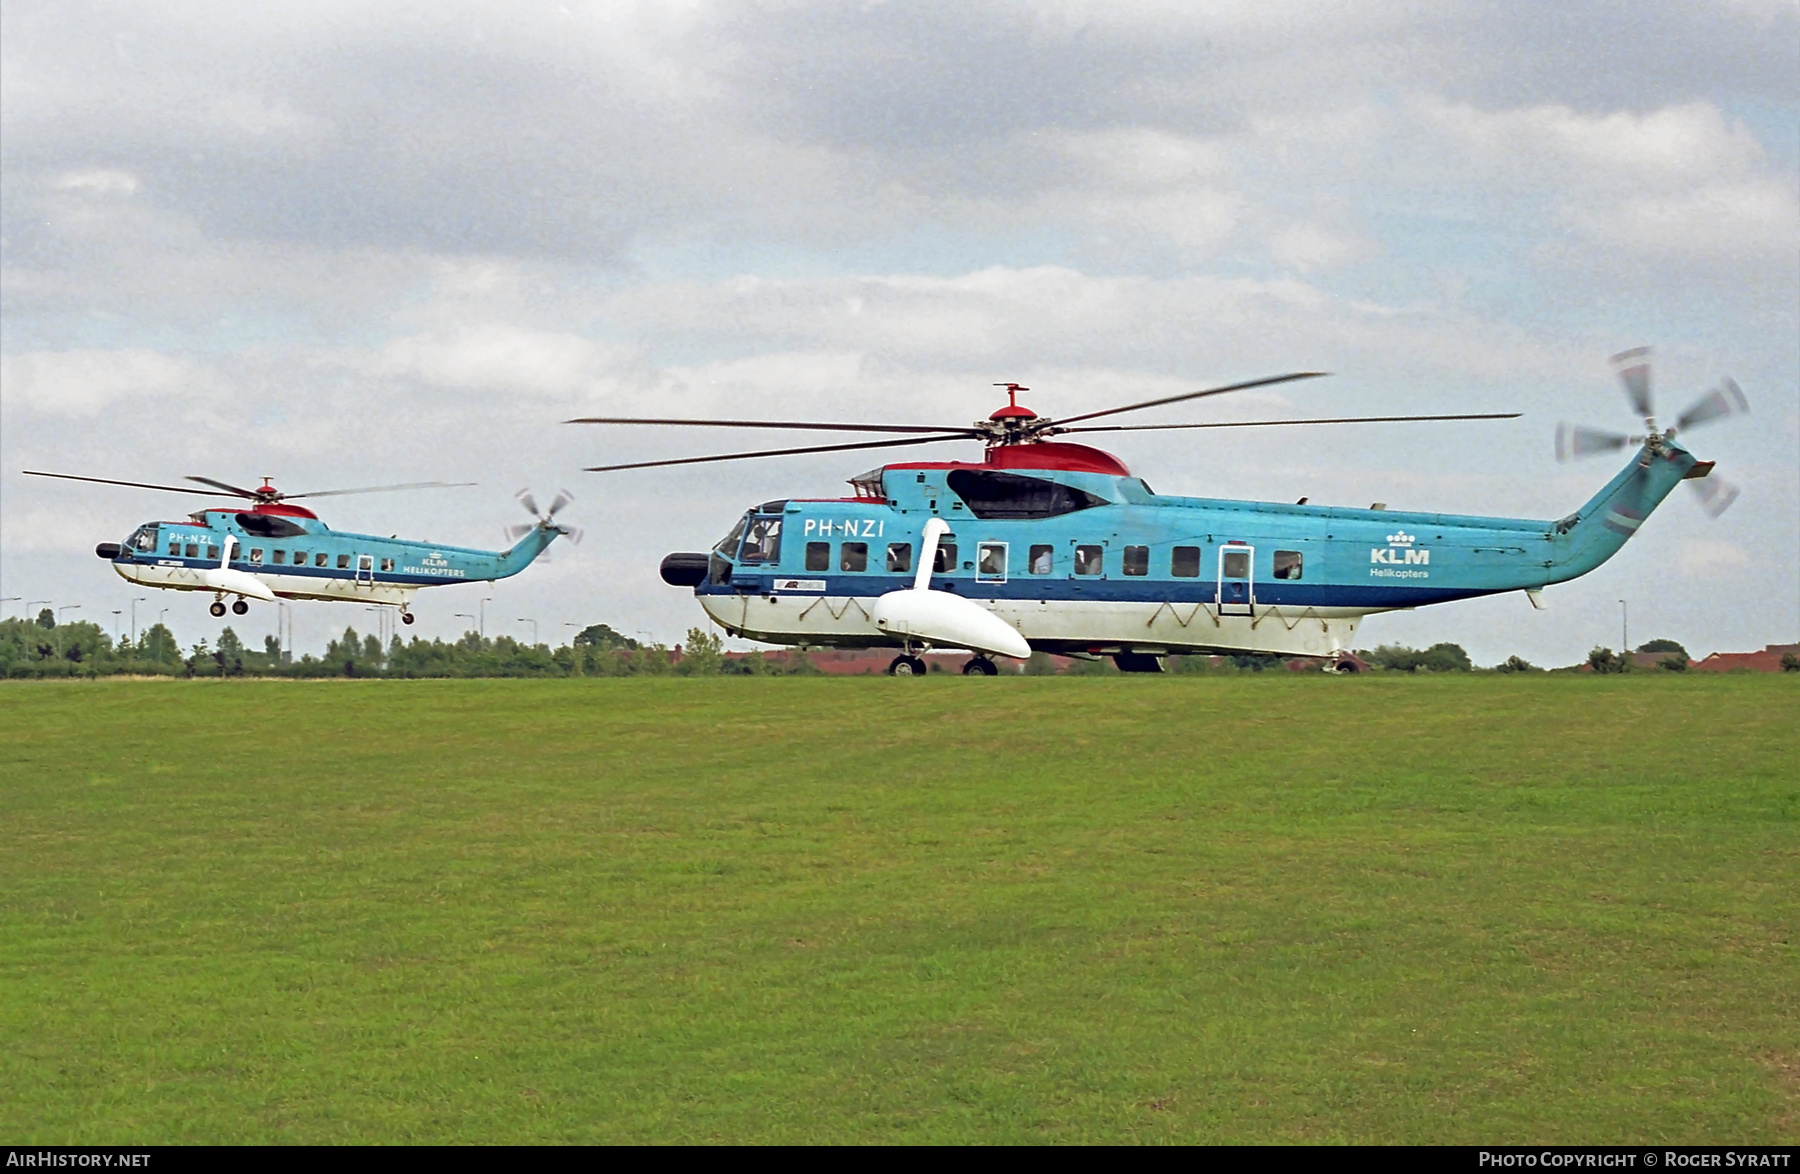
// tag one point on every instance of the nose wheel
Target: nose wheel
(406, 617)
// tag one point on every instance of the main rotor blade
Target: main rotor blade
(1633, 367)
(784, 452)
(239, 490)
(1573, 441)
(1278, 423)
(1727, 399)
(804, 425)
(1175, 399)
(109, 481)
(379, 489)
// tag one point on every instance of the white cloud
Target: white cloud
(83, 383)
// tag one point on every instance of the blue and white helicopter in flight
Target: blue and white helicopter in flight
(271, 549)
(1046, 545)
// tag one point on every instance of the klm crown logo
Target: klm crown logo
(1400, 550)
(1401, 539)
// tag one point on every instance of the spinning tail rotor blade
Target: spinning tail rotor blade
(1716, 494)
(1727, 399)
(783, 452)
(1573, 441)
(563, 497)
(528, 501)
(518, 530)
(1633, 367)
(1175, 399)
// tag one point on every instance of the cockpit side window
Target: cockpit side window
(762, 541)
(144, 539)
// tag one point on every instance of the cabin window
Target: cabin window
(762, 541)
(193, 550)
(299, 558)
(1184, 562)
(175, 548)
(990, 561)
(278, 556)
(1234, 564)
(899, 557)
(1137, 560)
(256, 554)
(343, 561)
(1287, 564)
(818, 556)
(212, 552)
(853, 556)
(1088, 560)
(387, 564)
(1042, 559)
(1008, 495)
(321, 559)
(944, 561)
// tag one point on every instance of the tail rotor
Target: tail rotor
(544, 519)
(1633, 368)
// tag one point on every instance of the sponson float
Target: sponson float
(1057, 547)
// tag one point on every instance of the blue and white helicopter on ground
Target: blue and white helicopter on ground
(1050, 546)
(273, 550)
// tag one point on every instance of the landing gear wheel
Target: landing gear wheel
(406, 617)
(981, 666)
(218, 608)
(240, 608)
(906, 666)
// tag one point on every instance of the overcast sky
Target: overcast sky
(343, 243)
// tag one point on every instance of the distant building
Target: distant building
(1766, 661)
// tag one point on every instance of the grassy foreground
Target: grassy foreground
(1194, 909)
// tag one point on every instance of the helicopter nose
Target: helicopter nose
(684, 569)
(108, 550)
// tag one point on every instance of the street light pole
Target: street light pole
(118, 611)
(463, 615)
(482, 630)
(29, 602)
(534, 629)
(1625, 627)
(134, 603)
(160, 629)
(6, 600)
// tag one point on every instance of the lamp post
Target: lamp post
(134, 603)
(534, 629)
(463, 615)
(6, 600)
(29, 602)
(1625, 627)
(160, 629)
(482, 630)
(118, 611)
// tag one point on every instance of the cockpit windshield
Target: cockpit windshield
(144, 539)
(728, 545)
(762, 540)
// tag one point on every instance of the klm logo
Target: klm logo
(1400, 551)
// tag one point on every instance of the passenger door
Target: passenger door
(1237, 590)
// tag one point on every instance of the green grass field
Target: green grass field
(1204, 909)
